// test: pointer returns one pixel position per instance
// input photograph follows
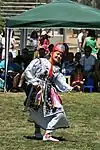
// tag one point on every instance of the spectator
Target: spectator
(68, 66)
(11, 66)
(50, 48)
(66, 52)
(91, 41)
(13, 72)
(66, 49)
(80, 40)
(77, 78)
(12, 48)
(77, 57)
(97, 73)
(88, 61)
(34, 40)
(44, 40)
(42, 53)
(13, 45)
(3, 44)
(24, 59)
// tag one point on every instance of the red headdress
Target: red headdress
(58, 47)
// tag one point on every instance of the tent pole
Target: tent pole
(23, 39)
(64, 36)
(7, 45)
(26, 34)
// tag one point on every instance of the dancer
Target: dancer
(43, 102)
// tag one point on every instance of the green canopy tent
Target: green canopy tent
(61, 13)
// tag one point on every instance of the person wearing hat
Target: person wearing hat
(44, 79)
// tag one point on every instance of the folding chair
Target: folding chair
(89, 84)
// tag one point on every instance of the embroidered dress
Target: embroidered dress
(50, 113)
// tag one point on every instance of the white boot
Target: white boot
(48, 137)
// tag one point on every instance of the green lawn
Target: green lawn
(83, 111)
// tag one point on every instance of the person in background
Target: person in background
(66, 49)
(97, 72)
(34, 42)
(41, 52)
(50, 48)
(0, 38)
(88, 61)
(23, 61)
(69, 65)
(3, 44)
(13, 45)
(77, 57)
(77, 77)
(13, 73)
(44, 40)
(66, 52)
(91, 40)
(11, 65)
(35, 75)
(65, 56)
(80, 40)
(25, 58)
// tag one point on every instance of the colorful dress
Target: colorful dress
(47, 98)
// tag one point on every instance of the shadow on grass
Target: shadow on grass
(32, 138)
(59, 138)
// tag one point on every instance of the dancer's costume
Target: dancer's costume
(47, 110)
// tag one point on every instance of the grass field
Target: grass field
(83, 111)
